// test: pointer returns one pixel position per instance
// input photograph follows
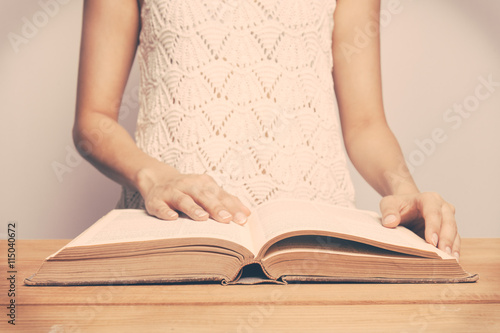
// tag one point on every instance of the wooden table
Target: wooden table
(469, 307)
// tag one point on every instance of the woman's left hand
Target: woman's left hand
(427, 214)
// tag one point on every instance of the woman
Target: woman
(238, 106)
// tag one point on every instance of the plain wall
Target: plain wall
(433, 55)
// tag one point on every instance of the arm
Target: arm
(109, 43)
(369, 142)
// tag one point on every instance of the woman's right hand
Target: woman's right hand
(198, 196)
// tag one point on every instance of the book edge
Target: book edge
(307, 278)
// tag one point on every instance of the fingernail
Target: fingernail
(240, 218)
(448, 250)
(224, 214)
(171, 213)
(389, 219)
(200, 212)
(435, 239)
(457, 255)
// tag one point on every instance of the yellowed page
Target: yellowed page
(281, 216)
(257, 233)
(129, 225)
(338, 246)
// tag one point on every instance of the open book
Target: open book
(282, 241)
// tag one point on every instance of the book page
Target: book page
(329, 245)
(129, 225)
(282, 216)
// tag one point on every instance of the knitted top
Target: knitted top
(242, 90)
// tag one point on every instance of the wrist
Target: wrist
(399, 184)
(403, 189)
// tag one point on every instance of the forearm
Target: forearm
(375, 152)
(371, 146)
(109, 42)
(109, 147)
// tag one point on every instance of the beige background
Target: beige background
(434, 52)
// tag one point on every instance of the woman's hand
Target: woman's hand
(427, 214)
(198, 196)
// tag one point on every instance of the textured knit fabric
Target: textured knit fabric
(242, 90)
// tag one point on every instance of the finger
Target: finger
(448, 231)
(209, 201)
(390, 209)
(204, 193)
(239, 211)
(183, 202)
(161, 210)
(432, 214)
(456, 247)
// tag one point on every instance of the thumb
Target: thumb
(390, 208)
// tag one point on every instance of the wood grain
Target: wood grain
(262, 318)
